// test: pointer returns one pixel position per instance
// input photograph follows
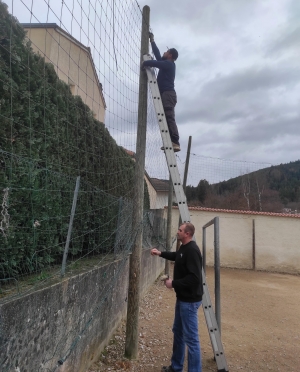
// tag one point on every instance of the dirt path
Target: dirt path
(260, 326)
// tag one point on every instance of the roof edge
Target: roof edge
(233, 211)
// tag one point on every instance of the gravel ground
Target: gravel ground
(260, 326)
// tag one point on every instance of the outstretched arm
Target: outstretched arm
(159, 62)
(156, 51)
(166, 255)
(155, 252)
(154, 47)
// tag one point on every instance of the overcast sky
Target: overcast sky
(238, 75)
(238, 72)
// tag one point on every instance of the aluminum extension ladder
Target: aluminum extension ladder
(212, 326)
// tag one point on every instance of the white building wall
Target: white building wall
(158, 199)
(72, 65)
(277, 239)
(152, 194)
(161, 200)
(277, 243)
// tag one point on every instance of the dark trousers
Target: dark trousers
(169, 100)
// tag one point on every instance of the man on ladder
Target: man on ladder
(165, 81)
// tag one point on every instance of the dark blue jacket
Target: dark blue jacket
(166, 73)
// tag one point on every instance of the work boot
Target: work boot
(167, 369)
(176, 147)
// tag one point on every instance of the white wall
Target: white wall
(161, 199)
(72, 64)
(277, 239)
(158, 199)
(152, 193)
(278, 243)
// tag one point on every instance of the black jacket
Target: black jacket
(187, 281)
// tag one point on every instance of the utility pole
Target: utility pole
(186, 169)
(132, 325)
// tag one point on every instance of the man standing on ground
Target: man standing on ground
(165, 81)
(188, 286)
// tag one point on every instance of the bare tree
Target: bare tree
(246, 188)
(259, 193)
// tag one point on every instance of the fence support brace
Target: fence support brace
(64, 262)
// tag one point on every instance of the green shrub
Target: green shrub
(48, 137)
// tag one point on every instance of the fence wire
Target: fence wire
(69, 74)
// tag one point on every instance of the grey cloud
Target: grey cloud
(211, 108)
(238, 96)
(289, 41)
(294, 10)
(201, 15)
(270, 127)
(258, 136)
(234, 97)
(252, 79)
(245, 123)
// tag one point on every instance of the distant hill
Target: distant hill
(270, 189)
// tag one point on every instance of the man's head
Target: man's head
(170, 54)
(186, 232)
(174, 53)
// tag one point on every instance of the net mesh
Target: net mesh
(69, 74)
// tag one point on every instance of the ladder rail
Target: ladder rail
(210, 318)
(213, 329)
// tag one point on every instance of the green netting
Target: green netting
(50, 136)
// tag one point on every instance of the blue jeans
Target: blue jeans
(185, 331)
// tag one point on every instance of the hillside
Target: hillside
(271, 190)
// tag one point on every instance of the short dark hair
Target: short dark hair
(189, 228)
(174, 53)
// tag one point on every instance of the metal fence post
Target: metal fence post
(217, 272)
(169, 225)
(186, 169)
(118, 233)
(64, 261)
(253, 246)
(187, 161)
(204, 249)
